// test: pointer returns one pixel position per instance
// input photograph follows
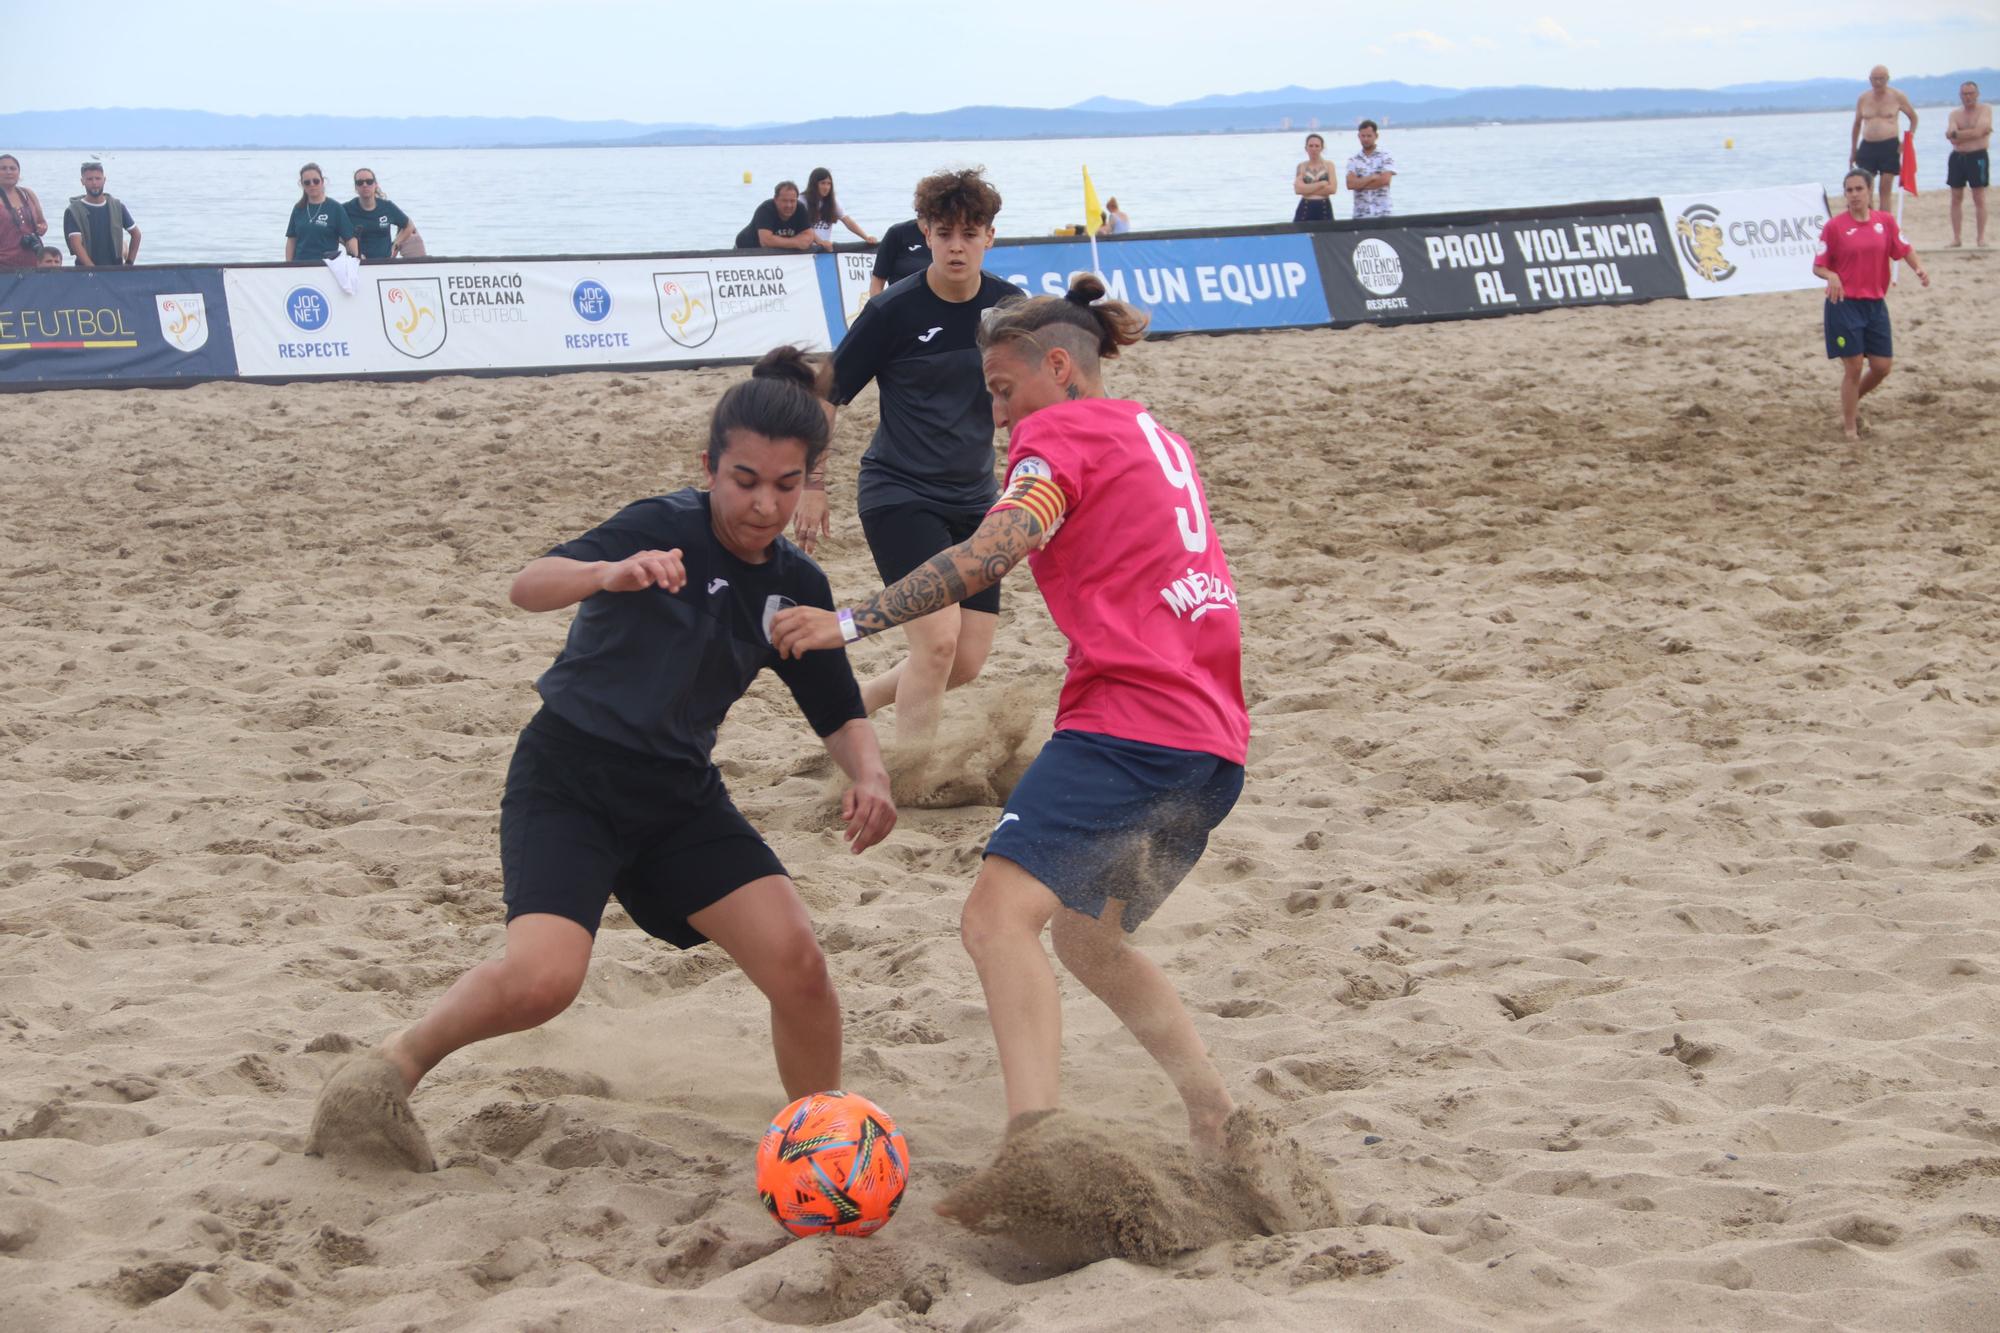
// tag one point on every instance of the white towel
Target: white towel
(346, 271)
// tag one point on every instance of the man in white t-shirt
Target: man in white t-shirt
(1369, 173)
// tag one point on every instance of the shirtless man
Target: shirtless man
(1970, 129)
(1874, 145)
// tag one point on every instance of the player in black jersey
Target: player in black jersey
(926, 479)
(611, 791)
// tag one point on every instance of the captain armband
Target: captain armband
(1031, 488)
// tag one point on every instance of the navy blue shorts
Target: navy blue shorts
(584, 820)
(1096, 817)
(1879, 156)
(1973, 170)
(1857, 328)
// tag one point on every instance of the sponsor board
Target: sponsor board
(1415, 271)
(95, 326)
(1734, 242)
(534, 314)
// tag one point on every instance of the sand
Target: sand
(1613, 908)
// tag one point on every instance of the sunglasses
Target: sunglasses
(309, 180)
(364, 180)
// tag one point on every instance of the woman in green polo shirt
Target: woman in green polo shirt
(320, 228)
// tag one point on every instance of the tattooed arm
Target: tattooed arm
(947, 578)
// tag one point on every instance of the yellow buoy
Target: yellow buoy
(1726, 143)
(746, 178)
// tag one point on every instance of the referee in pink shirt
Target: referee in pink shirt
(1857, 249)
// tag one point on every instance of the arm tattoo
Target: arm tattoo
(949, 577)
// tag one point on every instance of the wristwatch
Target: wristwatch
(848, 633)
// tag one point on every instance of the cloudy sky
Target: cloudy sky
(750, 61)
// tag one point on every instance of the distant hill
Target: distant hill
(1296, 108)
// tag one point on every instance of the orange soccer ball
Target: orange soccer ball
(832, 1161)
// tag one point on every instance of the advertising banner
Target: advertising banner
(527, 315)
(93, 326)
(1451, 270)
(1189, 284)
(1733, 242)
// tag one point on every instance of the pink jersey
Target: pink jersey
(1135, 578)
(1862, 253)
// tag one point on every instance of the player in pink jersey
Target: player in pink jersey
(1151, 731)
(1857, 250)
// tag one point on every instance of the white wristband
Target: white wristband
(848, 634)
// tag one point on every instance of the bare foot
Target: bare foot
(1851, 433)
(1207, 1128)
(411, 1072)
(364, 1111)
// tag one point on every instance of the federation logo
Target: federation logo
(183, 320)
(687, 306)
(592, 300)
(1378, 267)
(306, 307)
(1699, 232)
(412, 314)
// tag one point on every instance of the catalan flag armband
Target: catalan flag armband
(1031, 487)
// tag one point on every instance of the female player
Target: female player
(611, 790)
(826, 210)
(926, 480)
(1313, 181)
(1151, 731)
(1857, 250)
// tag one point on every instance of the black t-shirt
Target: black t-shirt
(319, 229)
(655, 671)
(903, 251)
(376, 227)
(767, 218)
(935, 443)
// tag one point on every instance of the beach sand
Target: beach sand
(1613, 906)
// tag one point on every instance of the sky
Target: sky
(745, 62)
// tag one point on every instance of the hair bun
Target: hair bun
(793, 366)
(1085, 289)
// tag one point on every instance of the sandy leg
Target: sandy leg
(364, 1111)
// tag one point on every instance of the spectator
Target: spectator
(320, 228)
(903, 251)
(1313, 183)
(22, 225)
(51, 258)
(373, 215)
(1872, 143)
(1369, 173)
(825, 210)
(1970, 129)
(780, 223)
(1114, 220)
(95, 224)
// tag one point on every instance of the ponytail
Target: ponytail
(1104, 325)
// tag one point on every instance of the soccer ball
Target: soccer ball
(832, 1161)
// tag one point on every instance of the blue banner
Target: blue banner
(1189, 284)
(125, 325)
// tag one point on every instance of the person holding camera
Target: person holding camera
(22, 225)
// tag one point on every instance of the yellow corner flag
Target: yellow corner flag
(1093, 212)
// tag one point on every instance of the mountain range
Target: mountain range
(1097, 117)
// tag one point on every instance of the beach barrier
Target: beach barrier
(541, 315)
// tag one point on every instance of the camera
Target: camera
(32, 243)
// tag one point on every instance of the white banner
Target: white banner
(857, 273)
(489, 315)
(1734, 242)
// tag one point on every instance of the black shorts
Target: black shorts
(902, 537)
(1313, 210)
(1879, 155)
(1968, 169)
(1858, 327)
(584, 820)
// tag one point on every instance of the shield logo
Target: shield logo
(412, 314)
(183, 320)
(687, 306)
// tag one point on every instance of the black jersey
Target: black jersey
(656, 671)
(935, 441)
(903, 251)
